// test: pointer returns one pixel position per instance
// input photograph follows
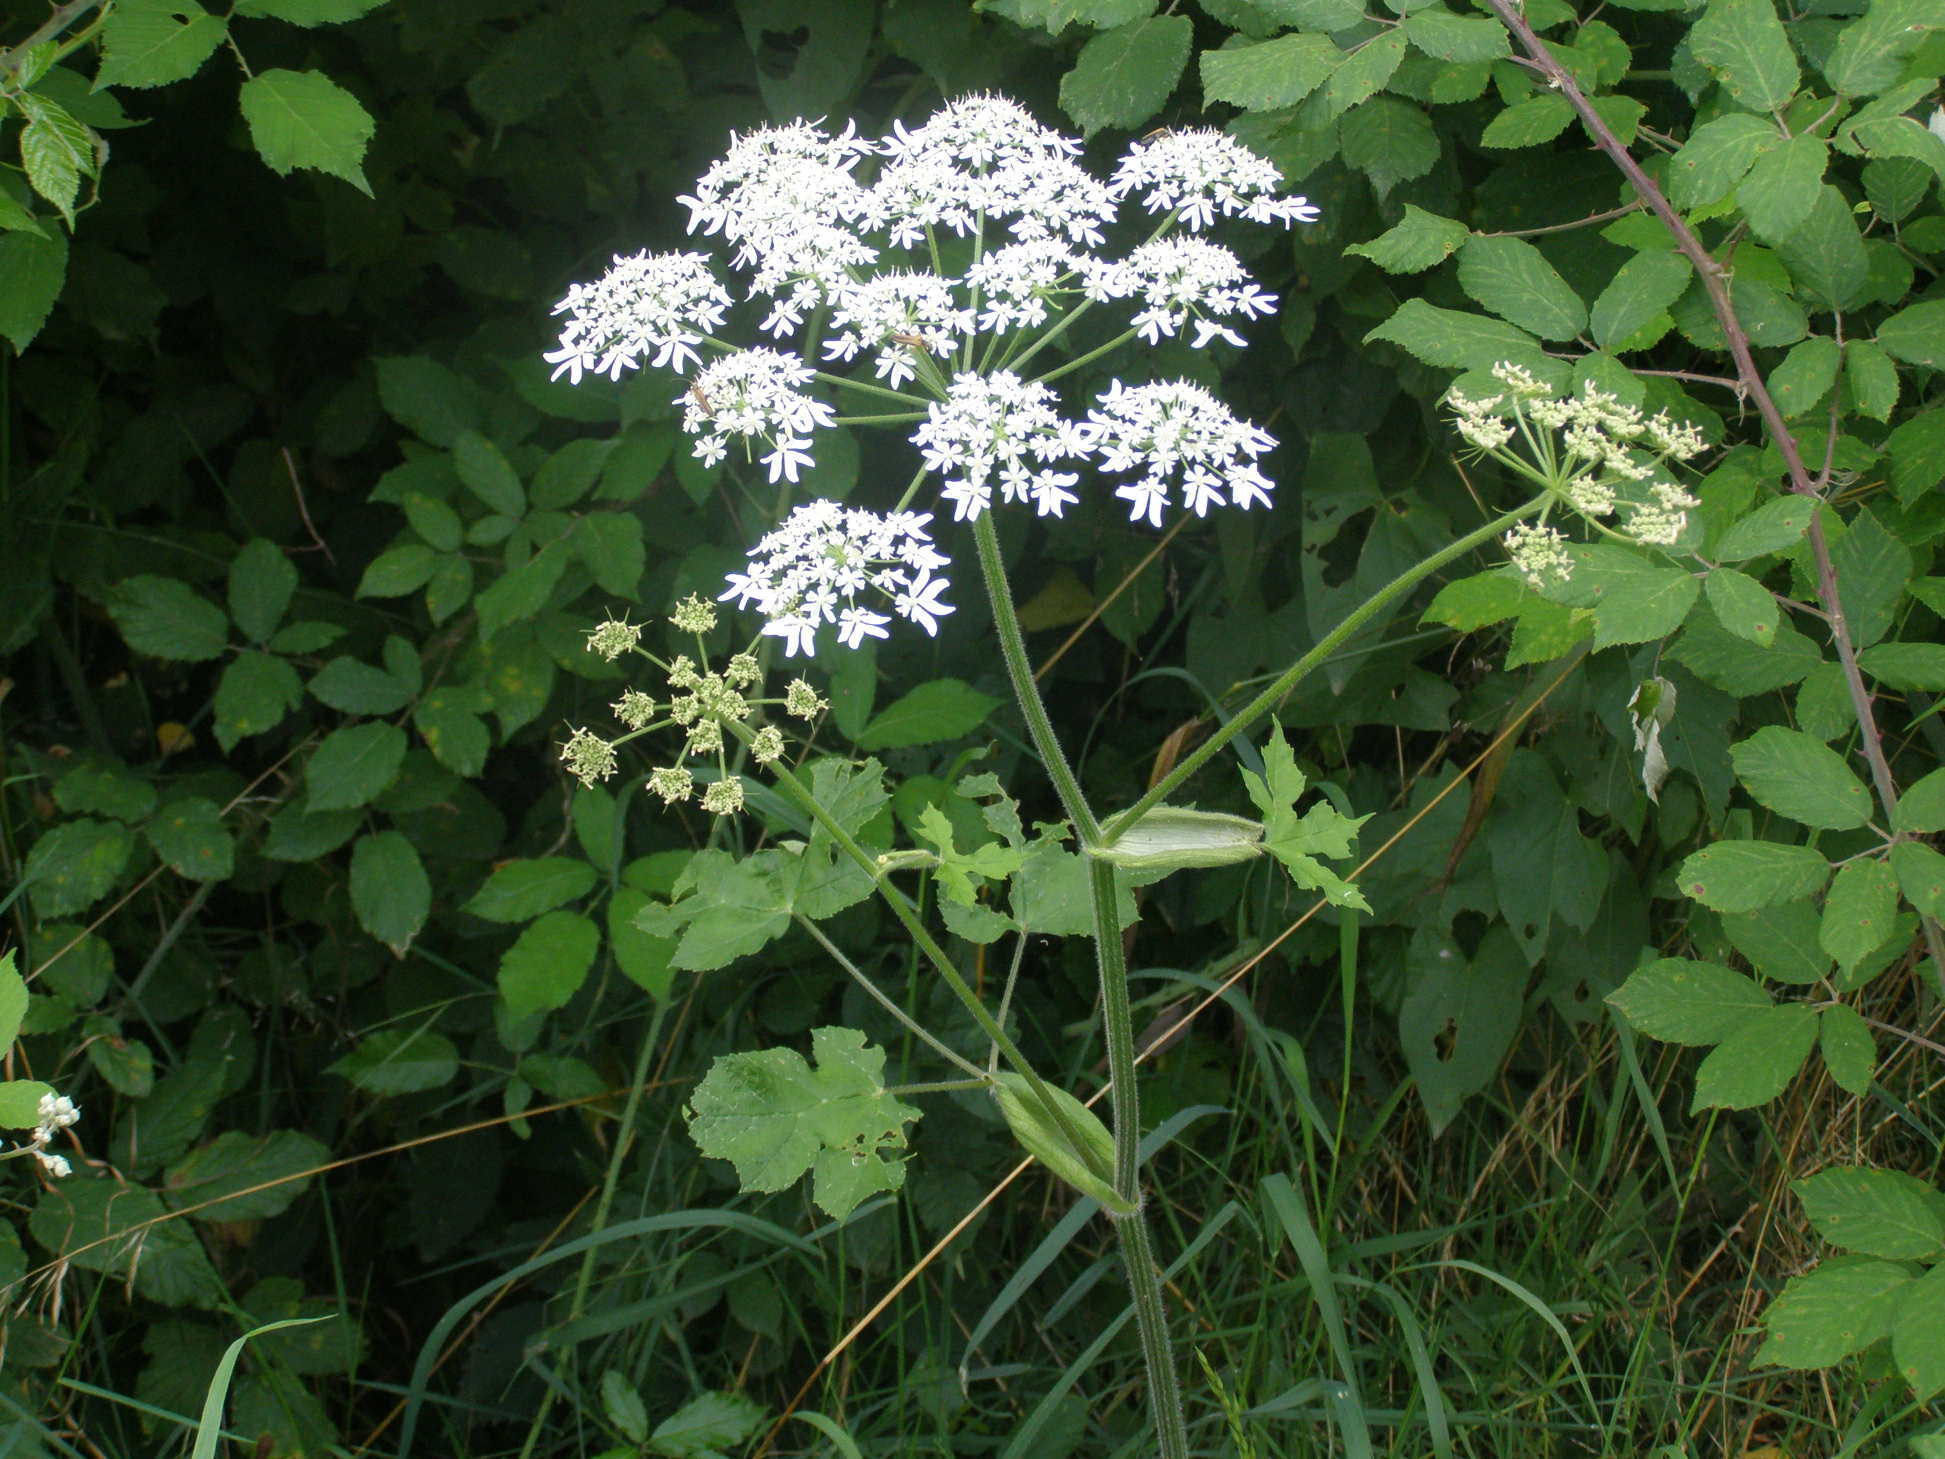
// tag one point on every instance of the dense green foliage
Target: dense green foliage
(299, 547)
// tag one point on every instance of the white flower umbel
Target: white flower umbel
(55, 1112)
(1174, 433)
(758, 395)
(984, 157)
(786, 198)
(1018, 283)
(1198, 172)
(1179, 278)
(1539, 553)
(1001, 425)
(899, 315)
(810, 571)
(667, 303)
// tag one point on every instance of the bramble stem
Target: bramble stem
(1715, 281)
(1324, 648)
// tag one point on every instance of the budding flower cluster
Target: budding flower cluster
(703, 703)
(1598, 456)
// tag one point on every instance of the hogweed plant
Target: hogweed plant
(932, 282)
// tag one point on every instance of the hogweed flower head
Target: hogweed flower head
(818, 220)
(614, 638)
(588, 758)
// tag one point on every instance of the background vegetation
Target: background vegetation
(298, 552)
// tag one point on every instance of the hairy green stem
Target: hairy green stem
(1117, 1017)
(1324, 648)
(890, 1005)
(1013, 648)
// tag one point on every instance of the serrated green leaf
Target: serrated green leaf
(256, 692)
(1416, 242)
(190, 837)
(1881, 1213)
(1742, 605)
(56, 151)
(116, 1226)
(731, 908)
(707, 1426)
(32, 269)
(941, 709)
(1684, 1002)
(397, 571)
(224, 1170)
(75, 865)
(1806, 375)
(352, 765)
(547, 963)
(1438, 32)
(390, 893)
(427, 398)
(1743, 43)
(1921, 876)
(1870, 52)
(1122, 77)
(610, 543)
(1860, 911)
(1472, 603)
(1757, 1060)
(1642, 289)
(1746, 876)
(1872, 378)
(13, 1007)
(1390, 141)
(1797, 775)
(154, 42)
(298, 835)
(1530, 122)
(308, 12)
(519, 891)
(399, 1061)
(166, 619)
(354, 687)
(261, 582)
(1458, 1020)
(1917, 455)
(1513, 279)
(1918, 1333)
(1717, 156)
(774, 1116)
(1916, 334)
(304, 119)
(1873, 567)
(1921, 808)
(1781, 942)
(1783, 184)
(1450, 338)
(486, 472)
(1849, 1052)
(1775, 525)
(521, 594)
(1825, 1316)
(1634, 597)
(1270, 75)
(1363, 73)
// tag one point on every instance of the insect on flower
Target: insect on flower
(910, 341)
(697, 394)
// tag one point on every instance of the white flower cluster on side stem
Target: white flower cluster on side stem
(1599, 457)
(56, 1112)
